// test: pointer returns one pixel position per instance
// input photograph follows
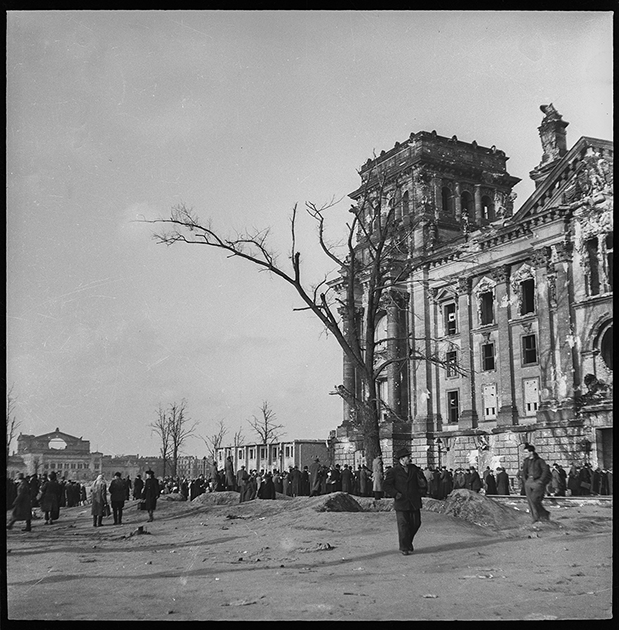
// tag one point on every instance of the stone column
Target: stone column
(468, 416)
(564, 338)
(420, 372)
(393, 373)
(508, 414)
(545, 286)
(478, 215)
(438, 196)
(457, 201)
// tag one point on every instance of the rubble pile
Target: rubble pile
(478, 509)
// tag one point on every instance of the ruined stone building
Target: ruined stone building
(517, 301)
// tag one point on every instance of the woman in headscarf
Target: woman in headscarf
(51, 492)
(98, 495)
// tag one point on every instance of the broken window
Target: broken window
(609, 260)
(453, 407)
(447, 200)
(487, 209)
(466, 203)
(606, 348)
(449, 312)
(405, 203)
(594, 272)
(487, 356)
(531, 395)
(486, 308)
(451, 359)
(527, 297)
(488, 394)
(529, 349)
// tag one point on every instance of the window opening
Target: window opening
(487, 356)
(453, 407)
(527, 295)
(487, 308)
(529, 349)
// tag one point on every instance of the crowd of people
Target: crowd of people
(48, 493)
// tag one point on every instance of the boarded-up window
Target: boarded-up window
(488, 394)
(531, 396)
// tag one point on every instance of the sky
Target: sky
(117, 116)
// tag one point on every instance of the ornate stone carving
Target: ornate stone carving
(540, 257)
(552, 289)
(562, 252)
(464, 286)
(501, 274)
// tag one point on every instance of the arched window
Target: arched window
(447, 200)
(606, 348)
(466, 203)
(405, 203)
(487, 209)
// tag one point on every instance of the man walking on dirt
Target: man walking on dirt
(406, 483)
(536, 474)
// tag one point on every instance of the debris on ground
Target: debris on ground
(478, 509)
(334, 502)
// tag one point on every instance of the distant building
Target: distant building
(191, 467)
(69, 456)
(278, 455)
(130, 465)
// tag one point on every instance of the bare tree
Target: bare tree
(239, 438)
(372, 266)
(180, 430)
(215, 441)
(265, 426)
(12, 423)
(161, 427)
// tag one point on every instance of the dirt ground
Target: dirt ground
(215, 559)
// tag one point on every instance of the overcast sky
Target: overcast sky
(114, 116)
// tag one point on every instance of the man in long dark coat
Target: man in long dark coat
(138, 486)
(502, 481)
(151, 493)
(347, 479)
(363, 481)
(490, 484)
(473, 482)
(230, 477)
(314, 472)
(536, 474)
(295, 475)
(51, 491)
(305, 482)
(406, 483)
(22, 505)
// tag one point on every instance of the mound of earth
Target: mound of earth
(478, 509)
(370, 504)
(230, 498)
(334, 502)
(172, 496)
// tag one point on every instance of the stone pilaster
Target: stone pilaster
(508, 414)
(468, 415)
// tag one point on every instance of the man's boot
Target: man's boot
(28, 527)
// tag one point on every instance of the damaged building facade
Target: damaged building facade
(516, 302)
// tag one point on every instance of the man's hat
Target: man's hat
(529, 447)
(403, 452)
